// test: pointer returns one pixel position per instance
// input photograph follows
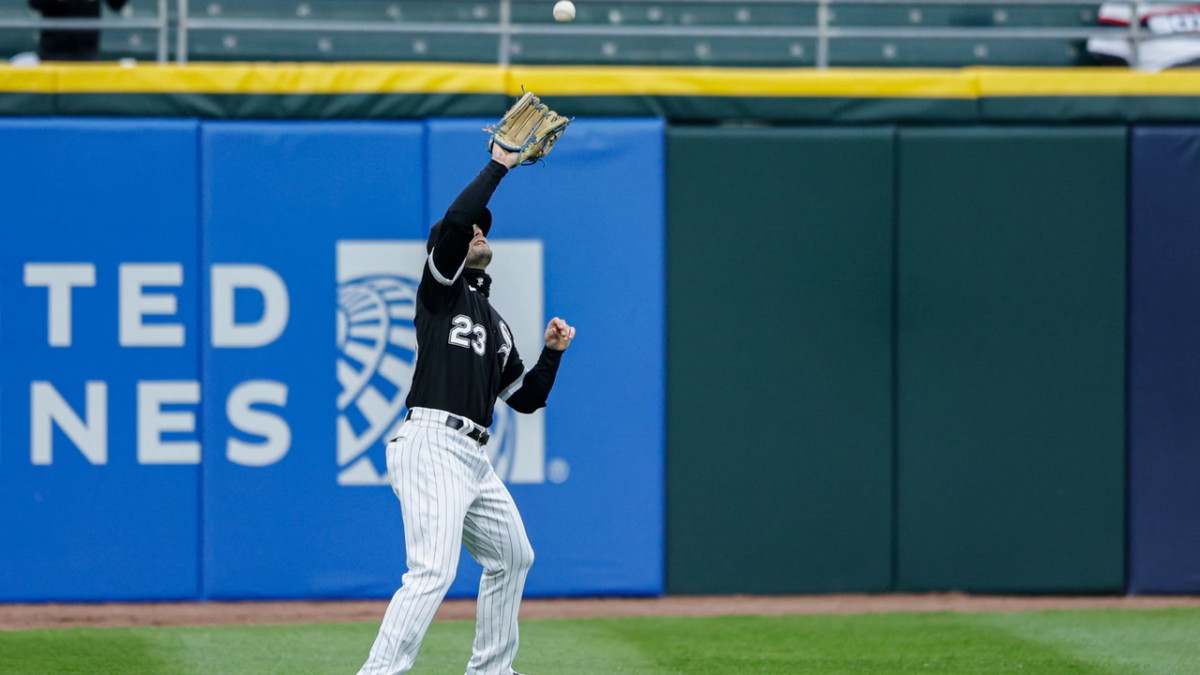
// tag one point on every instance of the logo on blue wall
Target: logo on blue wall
(377, 347)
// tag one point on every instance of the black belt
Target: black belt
(477, 433)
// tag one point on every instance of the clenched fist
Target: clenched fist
(559, 334)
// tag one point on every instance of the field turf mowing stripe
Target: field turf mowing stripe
(1094, 642)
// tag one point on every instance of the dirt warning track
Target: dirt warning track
(29, 616)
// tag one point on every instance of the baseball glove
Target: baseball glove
(528, 128)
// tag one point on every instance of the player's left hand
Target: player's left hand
(559, 334)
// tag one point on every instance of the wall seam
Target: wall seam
(202, 372)
(895, 361)
(1128, 364)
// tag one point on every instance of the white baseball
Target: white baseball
(564, 11)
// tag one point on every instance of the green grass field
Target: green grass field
(1057, 642)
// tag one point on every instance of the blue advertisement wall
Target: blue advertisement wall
(99, 393)
(1164, 365)
(246, 461)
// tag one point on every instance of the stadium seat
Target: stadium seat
(964, 15)
(133, 44)
(318, 46)
(666, 51)
(346, 10)
(915, 53)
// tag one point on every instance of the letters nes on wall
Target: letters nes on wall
(376, 350)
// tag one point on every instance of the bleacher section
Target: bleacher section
(241, 43)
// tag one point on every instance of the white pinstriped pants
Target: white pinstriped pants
(450, 496)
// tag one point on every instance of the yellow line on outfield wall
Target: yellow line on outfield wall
(454, 78)
(442, 78)
(28, 80)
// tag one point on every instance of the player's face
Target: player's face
(479, 254)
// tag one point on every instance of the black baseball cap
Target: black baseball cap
(484, 223)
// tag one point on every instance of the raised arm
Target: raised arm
(449, 241)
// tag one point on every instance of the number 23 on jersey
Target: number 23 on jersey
(467, 334)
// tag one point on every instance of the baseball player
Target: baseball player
(439, 469)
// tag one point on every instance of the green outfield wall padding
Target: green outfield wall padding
(1010, 359)
(26, 104)
(1144, 108)
(779, 276)
(279, 106)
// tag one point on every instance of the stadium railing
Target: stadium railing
(795, 33)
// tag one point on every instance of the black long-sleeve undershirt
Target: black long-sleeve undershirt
(534, 385)
(455, 233)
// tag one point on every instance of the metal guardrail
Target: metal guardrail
(506, 29)
(160, 23)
